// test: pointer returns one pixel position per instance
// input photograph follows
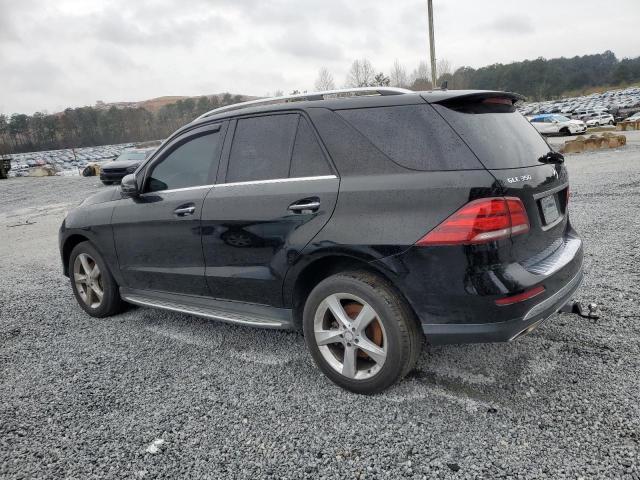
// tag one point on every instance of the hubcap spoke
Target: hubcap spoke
(85, 263)
(98, 291)
(95, 272)
(349, 362)
(374, 351)
(325, 337)
(364, 318)
(338, 312)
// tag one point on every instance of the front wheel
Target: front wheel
(361, 333)
(93, 285)
(107, 182)
(610, 122)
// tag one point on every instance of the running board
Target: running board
(231, 312)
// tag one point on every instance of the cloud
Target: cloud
(73, 52)
(509, 25)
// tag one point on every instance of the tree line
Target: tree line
(90, 126)
(538, 79)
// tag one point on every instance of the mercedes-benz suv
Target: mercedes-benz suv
(368, 219)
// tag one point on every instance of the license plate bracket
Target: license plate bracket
(549, 208)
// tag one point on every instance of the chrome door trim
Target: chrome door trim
(276, 180)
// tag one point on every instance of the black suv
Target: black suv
(367, 221)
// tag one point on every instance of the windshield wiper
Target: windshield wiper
(552, 157)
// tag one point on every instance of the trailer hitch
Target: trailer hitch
(577, 308)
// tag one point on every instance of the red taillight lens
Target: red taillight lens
(480, 221)
(521, 297)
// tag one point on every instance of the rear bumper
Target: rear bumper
(502, 331)
(453, 290)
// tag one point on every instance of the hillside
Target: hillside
(153, 105)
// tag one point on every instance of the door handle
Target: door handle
(184, 211)
(307, 205)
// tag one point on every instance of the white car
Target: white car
(633, 118)
(552, 124)
(600, 119)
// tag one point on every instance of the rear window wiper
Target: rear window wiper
(552, 157)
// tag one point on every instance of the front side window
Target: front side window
(261, 148)
(189, 165)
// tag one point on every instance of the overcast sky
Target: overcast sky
(55, 54)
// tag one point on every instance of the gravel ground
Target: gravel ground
(151, 394)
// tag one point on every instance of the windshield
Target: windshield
(561, 118)
(498, 134)
(132, 156)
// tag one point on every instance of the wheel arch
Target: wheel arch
(67, 247)
(320, 268)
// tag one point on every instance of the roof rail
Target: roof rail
(345, 92)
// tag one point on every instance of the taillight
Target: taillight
(480, 221)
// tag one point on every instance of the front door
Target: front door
(277, 191)
(157, 235)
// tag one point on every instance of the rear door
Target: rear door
(511, 149)
(275, 191)
(157, 235)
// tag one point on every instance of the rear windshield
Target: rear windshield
(413, 136)
(498, 134)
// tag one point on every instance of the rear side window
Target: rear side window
(261, 148)
(498, 134)
(413, 136)
(308, 159)
(189, 165)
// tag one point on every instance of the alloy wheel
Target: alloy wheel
(88, 280)
(350, 336)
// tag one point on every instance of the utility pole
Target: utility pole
(432, 44)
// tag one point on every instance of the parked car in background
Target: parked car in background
(552, 124)
(127, 162)
(367, 221)
(598, 119)
(633, 118)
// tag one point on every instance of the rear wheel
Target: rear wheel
(360, 332)
(93, 285)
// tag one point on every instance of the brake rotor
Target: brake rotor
(373, 330)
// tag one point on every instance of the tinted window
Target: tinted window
(413, 136)
(308, 159)
(500, 136)
(188, 165)
(261, 148)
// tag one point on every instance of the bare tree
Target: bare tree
(361, 74)
(399, 75)
(421, 77)
(278, 93)
(325, 80)
(443, 67)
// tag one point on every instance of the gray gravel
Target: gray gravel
(151, 394)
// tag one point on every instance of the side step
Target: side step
(232, 312)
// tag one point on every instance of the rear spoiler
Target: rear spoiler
(468, 96)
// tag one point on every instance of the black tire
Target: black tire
(403, 336)
(106, 182)
(111, 303)
(565, 131)
(610, 122)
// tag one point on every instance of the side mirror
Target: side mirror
(129, 186)
(555, 121)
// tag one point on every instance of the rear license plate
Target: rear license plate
(549, 209)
